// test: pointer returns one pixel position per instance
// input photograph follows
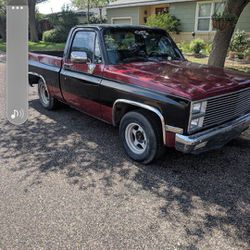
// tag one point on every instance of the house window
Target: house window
(204, 15)
(204, 12)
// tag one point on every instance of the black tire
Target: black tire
(47, 101)
(149, 128)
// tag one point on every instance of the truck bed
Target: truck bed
(53, 58)
(49, 53)
(49, 64)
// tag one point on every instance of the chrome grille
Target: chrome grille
(227, 107)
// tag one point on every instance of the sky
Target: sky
(52, 6)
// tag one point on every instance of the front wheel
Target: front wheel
(141, 136)
(47, 101)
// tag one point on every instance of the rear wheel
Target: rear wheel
(47, 101)
(141, 136)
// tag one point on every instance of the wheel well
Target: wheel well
(121, 109)
(123, 106)
(34, 79)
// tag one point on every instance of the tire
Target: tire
(47, 101)
(141, 136)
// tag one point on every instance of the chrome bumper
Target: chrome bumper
(212, 138)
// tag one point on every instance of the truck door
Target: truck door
(81, 73)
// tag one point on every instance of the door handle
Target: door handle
(67, 65)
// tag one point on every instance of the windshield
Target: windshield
(124, 46)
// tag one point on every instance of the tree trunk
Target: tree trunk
(100, 10)
(222, 38)
(32, 21)
(88, 11)
(3, 28)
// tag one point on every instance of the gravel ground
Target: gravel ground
(65, 183)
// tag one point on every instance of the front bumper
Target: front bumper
(212, 138)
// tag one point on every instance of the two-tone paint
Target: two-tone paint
(164, 88)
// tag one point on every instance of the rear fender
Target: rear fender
(34, 78)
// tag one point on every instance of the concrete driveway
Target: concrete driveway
(65, 183)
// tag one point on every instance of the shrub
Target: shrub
(197, 45)
(164, 21)
(209, 48)
(184, 47)
(55, 36)
(239, 42)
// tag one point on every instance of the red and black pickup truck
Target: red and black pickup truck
(136, 78)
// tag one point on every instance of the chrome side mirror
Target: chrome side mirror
(79, 57)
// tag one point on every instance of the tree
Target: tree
(62, 25)
(3, 19)
(223, 37)
(88, 4)
(32, 19)
(100, 4)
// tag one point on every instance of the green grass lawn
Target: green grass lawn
(2, 46)
(40, 46)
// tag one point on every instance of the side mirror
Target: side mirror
(79, 57)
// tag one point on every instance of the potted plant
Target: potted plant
(222, 21)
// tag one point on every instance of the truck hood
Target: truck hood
(180, 78)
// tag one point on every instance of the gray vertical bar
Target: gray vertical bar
(17, 62)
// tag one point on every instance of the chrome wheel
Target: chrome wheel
(136, 138)
(44, 94)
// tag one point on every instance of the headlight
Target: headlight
(196, 123)
(199, 107)
(197, 114)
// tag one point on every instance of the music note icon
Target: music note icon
(14, 115)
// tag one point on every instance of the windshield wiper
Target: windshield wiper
(163, 57)
(134, 59)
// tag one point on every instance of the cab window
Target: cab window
(86, 41)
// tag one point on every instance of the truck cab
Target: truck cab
(137, 79)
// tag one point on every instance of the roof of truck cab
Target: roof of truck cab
(107, 26)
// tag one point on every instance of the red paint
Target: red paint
(180, 78)
(170, 139)
(51, 89)
(46, 59)
(86, 105)
(54, 91)
(83, 67)
(106, 113)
